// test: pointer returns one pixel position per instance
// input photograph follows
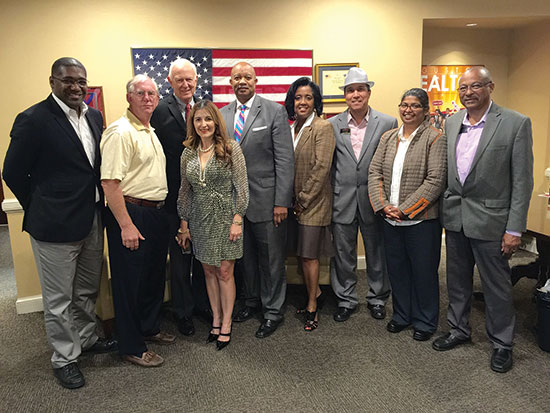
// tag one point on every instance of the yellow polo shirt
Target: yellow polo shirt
(132, 153)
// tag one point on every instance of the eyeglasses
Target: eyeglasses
(141, 93)
(69, 81)
(413, 106)
(474, 87)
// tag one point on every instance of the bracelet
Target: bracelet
(183, 232)
(237, 222)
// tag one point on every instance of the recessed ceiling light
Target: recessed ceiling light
(471, 24)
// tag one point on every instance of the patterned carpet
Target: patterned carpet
(355, 366)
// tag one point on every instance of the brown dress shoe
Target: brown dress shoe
(161, 338)
(147, 359)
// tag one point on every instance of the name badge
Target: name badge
(259, 128)
(345, 130)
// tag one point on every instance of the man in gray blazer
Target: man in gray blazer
(357, 131)
(484, 211)
(261, 127)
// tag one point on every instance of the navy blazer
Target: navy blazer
(48, 171)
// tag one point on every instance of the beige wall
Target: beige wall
(529, 93)
(385, 36)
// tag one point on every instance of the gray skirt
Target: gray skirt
(308, 241)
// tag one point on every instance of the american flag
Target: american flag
(275, 69)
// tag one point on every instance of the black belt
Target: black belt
(144, 202)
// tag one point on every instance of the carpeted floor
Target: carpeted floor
(355, 366)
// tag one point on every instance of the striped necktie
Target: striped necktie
(239, 125)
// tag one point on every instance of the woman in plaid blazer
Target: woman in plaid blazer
(314, 143)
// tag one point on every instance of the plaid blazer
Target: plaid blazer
(313, 159)
(424, 173)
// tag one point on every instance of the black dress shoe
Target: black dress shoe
(448, 342)
(377, 311)
(102, 345)
(186, 326)
(245, 313)
(343, 314)
(206, 315)
(69, 376)
(420, 335)
(267, 328)
(501, 360)
(212, 336)
(394, 327)
(223, 344)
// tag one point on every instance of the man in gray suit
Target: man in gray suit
(357, 131)
(261, 127)
(484, 211)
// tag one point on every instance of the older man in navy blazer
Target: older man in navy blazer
(261, 127)
(357, 131)
(484, 211)
(52, 167)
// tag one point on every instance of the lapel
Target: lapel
(67, 128)
(229, 117)
(452, 130)
(342, 123)
(491, 123)
(306, 135)
(175, 111)
(255, 110)
(372, 126)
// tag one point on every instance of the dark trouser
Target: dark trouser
(264, 267)
(494, 271)
(188, 288)
(412, 256)
(137, 277)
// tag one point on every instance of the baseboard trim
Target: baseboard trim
(11, 205)
(30, 304)
(361, 262)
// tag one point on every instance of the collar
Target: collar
(135, 122)
(366, 118)
(70, 111)
(181, 103)
(411, 136)
(466, 120)
(307, 123)
(248, 103)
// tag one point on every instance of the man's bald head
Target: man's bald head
(243, 80)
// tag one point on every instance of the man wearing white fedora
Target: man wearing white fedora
(357, 131)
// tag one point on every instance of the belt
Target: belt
(144, 202)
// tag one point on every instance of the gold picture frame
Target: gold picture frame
(329, 77)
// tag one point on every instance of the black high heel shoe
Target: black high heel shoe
(212, 337)
(320, 302)
(311, 323)
(222, 344)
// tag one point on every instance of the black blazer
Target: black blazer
(47, 169)
(171, 129)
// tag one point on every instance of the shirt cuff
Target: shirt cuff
(514, 233)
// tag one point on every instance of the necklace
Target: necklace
(207, 149)
(202, 171)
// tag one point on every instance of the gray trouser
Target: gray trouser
(70, 274)
(494, 271)
(343, 265)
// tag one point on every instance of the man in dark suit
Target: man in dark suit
(357, 131)
(170, 123)
(484, 211)
(261, 127)
(52, 167)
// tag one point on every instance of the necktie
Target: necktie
(187, 110)
(240, 124)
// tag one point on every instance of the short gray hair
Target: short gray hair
(181, 62)
(131, 85)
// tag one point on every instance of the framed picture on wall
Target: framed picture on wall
(94, 99)
(329, 77)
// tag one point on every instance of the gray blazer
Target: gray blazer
(496, 193)
(349, 175)
(266, 143)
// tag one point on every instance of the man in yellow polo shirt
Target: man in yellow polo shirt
(133, 176)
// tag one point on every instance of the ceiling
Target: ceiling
(486, 23)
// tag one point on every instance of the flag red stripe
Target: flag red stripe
(267, 71)
(250, 54)
(225, 90)
(222, 104)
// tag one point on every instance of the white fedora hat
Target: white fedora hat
(357, 75)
